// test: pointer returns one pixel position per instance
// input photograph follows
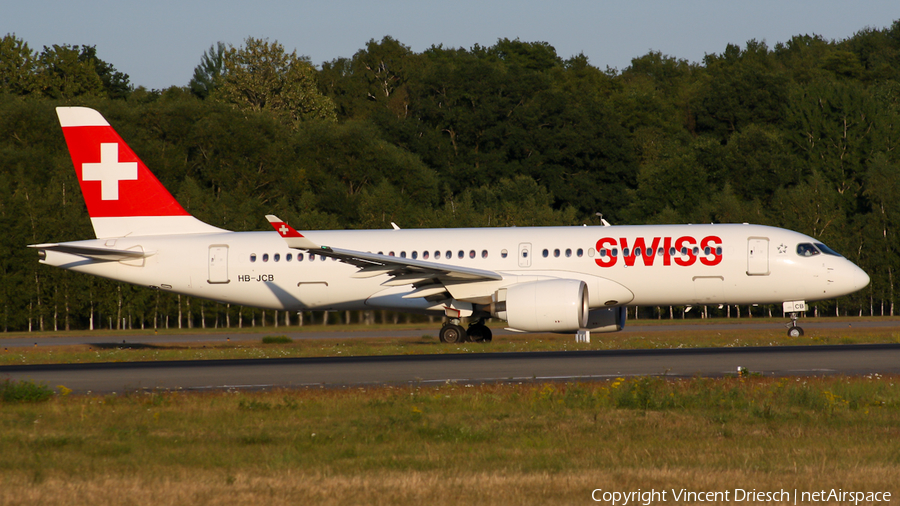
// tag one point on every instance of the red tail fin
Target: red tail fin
(123, 197)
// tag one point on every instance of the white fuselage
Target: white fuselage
(744, 264)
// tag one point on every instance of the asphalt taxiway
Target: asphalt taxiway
(461, 368)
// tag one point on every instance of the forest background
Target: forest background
(802, 135)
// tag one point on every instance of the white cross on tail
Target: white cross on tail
(109, 171)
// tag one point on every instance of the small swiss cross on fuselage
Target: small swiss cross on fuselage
(109, 171)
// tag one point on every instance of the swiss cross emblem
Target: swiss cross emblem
(284, 230)
(109, 171)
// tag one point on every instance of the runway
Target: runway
(189, 336)
(462, 368)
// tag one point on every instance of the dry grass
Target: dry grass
(415, 488)
(487, 444)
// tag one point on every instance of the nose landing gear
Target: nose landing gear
(794, 308)
(793, 329)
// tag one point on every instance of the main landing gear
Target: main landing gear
(793, 329)
(453, 332)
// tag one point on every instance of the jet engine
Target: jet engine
(554, 305)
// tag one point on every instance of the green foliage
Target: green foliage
(261, 76)
(24, 391)
(802, 135)
(277, 340)
(209, 72)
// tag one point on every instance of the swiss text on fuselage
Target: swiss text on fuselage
(681, 251)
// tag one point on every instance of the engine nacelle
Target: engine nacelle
(607, 319)
(553, 305)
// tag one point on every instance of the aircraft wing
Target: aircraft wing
(102, 254)
(426, 277)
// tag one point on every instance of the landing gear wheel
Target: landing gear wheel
(793, 329)
(452, 334)
(479, 333)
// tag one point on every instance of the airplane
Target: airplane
(537, 279)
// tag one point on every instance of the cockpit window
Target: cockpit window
(827, 250)
(806, 249)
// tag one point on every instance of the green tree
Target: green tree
(261, 76)
(17, 66)
(209, 72)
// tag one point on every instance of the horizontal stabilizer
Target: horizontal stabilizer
(103, 254)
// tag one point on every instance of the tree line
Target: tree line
(801, 135)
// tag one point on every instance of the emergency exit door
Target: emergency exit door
(218, 264)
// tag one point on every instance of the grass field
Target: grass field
(532, 443)
(456, 444)
(247, 344)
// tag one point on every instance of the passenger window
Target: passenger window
(615, 252)
(545, 253)
(424, 255)
(806, 250)
(402, 254)
(437, 255)
(706, 250)
(276, 257)
(448, 255)
(414, 255)
(696, 250)
(591, 252)
(556, 253)
(471, 253)
(460, 254)
(288, 257)
(625, 252)
(299, 257)
(503, 253)
(524, 253)
(252, 257)
(671, 252)
(265, 257)
(568, 252)
(580, 252)
(719, 251)
(484, 253)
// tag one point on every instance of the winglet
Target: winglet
(293, 238)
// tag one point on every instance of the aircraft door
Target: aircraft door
(525, 254)
(758, 256)
(218, 263)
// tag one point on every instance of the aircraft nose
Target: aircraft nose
(854, 278)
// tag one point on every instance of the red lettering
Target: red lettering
(667, 246)
(640, 249)
(711, 242)
(687, 243)
(670, 249)
(605, 260)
